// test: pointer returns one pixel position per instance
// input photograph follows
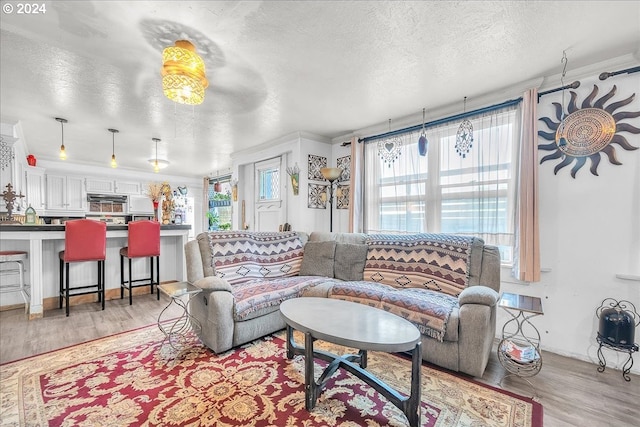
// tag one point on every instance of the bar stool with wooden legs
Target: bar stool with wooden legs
(15, 257)
(143, 242)
(84, 240)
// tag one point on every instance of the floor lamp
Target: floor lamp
(331, 175)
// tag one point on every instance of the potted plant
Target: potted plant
(220, 199)
(214, 220)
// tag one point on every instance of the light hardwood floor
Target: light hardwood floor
(572, 392)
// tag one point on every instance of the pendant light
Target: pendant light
(113, 147)
(562, 140)
(63, 152)
(156, 168)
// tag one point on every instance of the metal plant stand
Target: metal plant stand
(519, 349)
(618, 320)
(176, 330)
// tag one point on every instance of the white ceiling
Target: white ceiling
(277, 67)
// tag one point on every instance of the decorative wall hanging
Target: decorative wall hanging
(315, 164)
(344, 163)
(588, 131)
(389, 149)
(464, 137)
(423, 144)
(6, 154)
(342, 196)
(294, 174)
(317, 196)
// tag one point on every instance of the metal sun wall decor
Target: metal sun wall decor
(315, 164)
(589, 130)
(464, 136)
(316, 192)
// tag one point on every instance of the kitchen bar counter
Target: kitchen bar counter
(43, 242)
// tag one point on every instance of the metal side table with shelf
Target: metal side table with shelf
(519, 349)
(176, 330)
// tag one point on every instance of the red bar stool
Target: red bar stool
(15, 257)
(143, 242)
(84, 240)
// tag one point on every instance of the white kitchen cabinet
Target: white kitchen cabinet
(65, 193)
(101, 186)
(128, 187)
(35, 187)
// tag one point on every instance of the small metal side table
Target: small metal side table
(519, 349)
(176, 329)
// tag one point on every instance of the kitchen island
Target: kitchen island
(43, 242)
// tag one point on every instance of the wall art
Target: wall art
(317, 196)
(315, 164)
(342, 196)
(589, 131)
(344, 163)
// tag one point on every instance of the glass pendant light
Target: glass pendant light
(114, 164)
(63, 152)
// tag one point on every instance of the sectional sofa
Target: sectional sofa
(446, 285)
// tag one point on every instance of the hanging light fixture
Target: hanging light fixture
(183, 74)
(560, 136)
(157, 163)
(113, 147)
(63, 152)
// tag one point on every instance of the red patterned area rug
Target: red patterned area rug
(126, 380)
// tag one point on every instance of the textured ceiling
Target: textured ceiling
(324, 67)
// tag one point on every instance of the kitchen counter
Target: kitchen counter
(43, 242)
(60, 227)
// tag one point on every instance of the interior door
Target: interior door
(270, 204)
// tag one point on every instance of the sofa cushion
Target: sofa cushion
(258, 297)
(240, 256)
(438, 262)
(349, 261)
(318, 259)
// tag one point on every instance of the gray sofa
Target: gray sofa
(235, 309)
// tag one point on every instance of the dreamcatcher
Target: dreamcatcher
(464, 137)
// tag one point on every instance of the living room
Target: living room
(589, 235)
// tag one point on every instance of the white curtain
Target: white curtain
(444, 191)
(356, 196)
(526, 262)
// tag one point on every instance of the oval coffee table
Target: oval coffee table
(352, 325)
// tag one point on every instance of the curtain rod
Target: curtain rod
(574, 85)
(441, 121)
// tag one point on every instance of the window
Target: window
(268, 180)
(444, 192)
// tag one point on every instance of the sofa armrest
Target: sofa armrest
(478, 295)
(213, 283)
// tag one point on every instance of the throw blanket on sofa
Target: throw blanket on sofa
(438, 262)
(239, 256)
(428, 310)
